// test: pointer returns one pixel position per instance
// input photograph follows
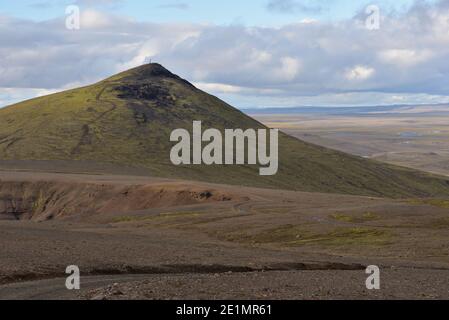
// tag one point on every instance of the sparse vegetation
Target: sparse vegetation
(124, 219)
(342, 217)
(39, 203)
(160, 216)
(439, 223)
(441, 203)
(127, 119)
(355, 218)
(298, 235)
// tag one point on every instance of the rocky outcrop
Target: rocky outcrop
(48, 200)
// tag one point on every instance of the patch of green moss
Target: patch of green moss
(39, 203)
(342, 217)
(349, 236)
(161, 216)
(99, 123)
(354, 218)
(291, 235)
(441, 203)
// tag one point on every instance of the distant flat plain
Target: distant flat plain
(413, 140)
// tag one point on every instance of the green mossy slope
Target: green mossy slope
(127, 119)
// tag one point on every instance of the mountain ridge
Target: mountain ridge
(127, 118)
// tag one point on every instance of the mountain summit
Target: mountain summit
(127, 120)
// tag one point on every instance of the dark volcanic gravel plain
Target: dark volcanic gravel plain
(146, 238)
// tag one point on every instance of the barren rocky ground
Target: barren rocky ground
(202, 241)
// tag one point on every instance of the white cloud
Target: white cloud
(220, 88)
(289, 69)
(94, 19)
(261, 56)
(405, 57)
(297, 63)
(10, 96)
(217, 87)
(308, 21)
(359, 73)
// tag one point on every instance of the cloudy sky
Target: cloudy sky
(252, 53)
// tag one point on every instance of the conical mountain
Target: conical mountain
(127, 120)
